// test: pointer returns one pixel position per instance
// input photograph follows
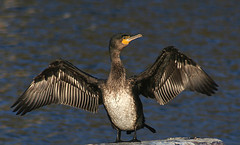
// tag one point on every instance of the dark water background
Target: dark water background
(35, 32)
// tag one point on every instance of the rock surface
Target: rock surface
(174, 141)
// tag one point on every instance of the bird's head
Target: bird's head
(119, 41)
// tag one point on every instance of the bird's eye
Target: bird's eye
(125, 37)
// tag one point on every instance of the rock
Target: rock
(174, 141)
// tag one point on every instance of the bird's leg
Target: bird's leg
(118, 139)
(135, 136)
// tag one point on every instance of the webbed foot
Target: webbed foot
(135, 140)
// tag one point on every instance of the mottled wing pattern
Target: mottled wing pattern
(60, 83)
(172, 73)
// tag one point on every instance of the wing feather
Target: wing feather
(60, 83)
(172, 73)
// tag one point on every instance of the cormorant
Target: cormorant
(63, 83)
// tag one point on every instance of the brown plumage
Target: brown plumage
(63, 83)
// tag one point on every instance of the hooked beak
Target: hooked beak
(128, 40)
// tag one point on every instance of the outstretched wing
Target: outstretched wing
(172, 73)
(60, 83)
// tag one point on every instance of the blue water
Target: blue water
(34, 33)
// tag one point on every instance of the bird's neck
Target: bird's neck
(117, 73)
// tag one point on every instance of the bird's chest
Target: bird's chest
(121, 108)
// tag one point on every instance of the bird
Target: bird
(63, 83)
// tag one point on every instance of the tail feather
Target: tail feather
(150, 128)
(145, 125)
